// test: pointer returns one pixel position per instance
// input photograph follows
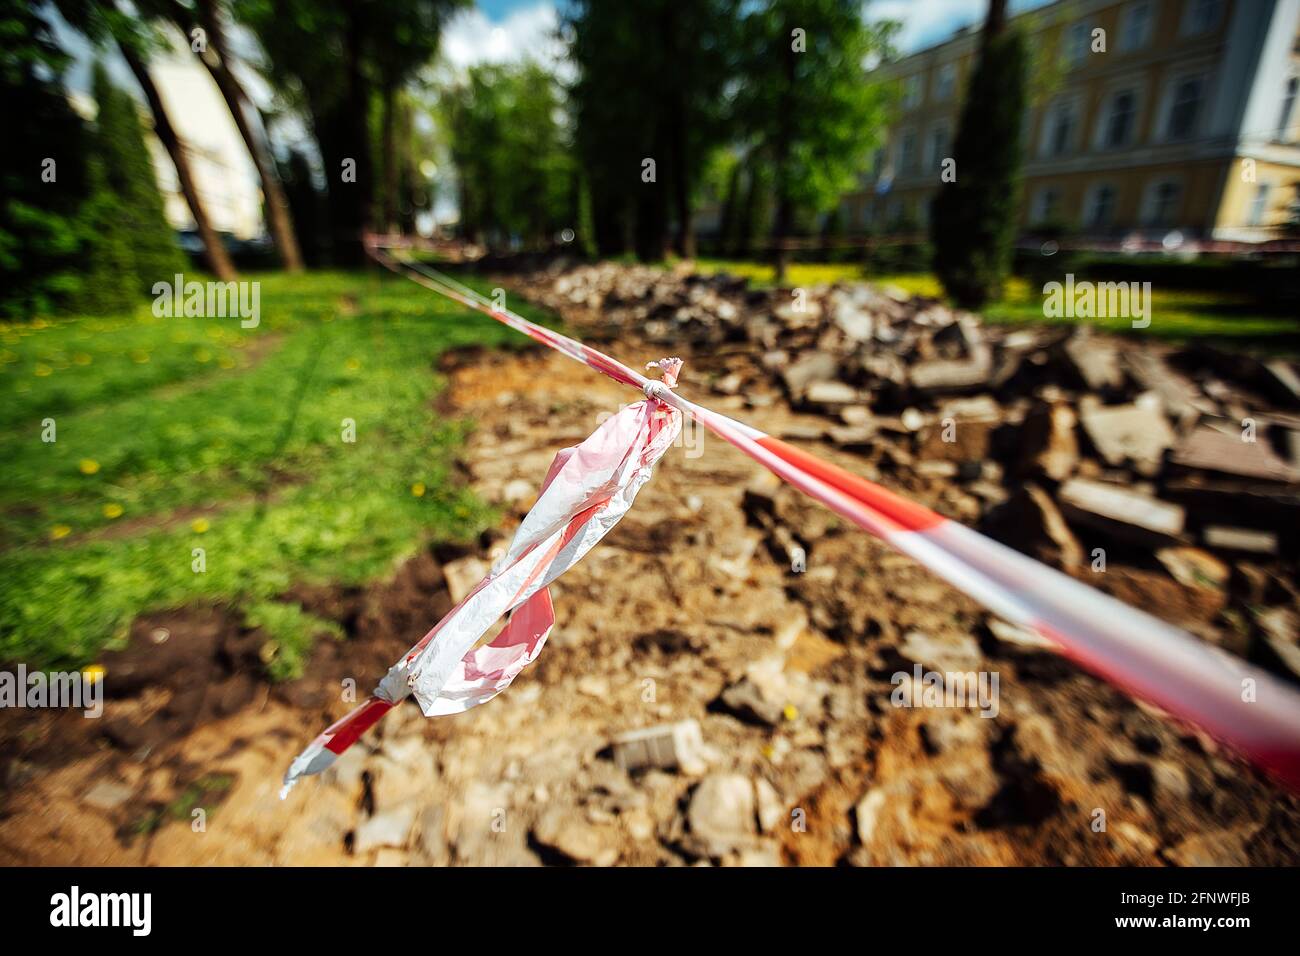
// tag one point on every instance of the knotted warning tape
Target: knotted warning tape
(1249, 710)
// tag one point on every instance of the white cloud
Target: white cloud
(525, 33)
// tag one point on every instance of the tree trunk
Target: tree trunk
(218, 259)
(279, 219)
(351, 201)
(388, 136)
(679, 134)
(730, 211)
(784, 220)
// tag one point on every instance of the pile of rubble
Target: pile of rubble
(1075, 447)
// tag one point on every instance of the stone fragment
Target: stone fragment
(107, 795)
(1122, 512)
(563, 830)
(1224, 451)
(463, 575)
(1047, 442)
(721, 812)
(807, 369)
(390, 828)
(1249, 540)
(1095, 361)
(678, 746)
(1137, 433)
(944, 376)
(1194, 568)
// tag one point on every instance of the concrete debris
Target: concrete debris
(1095, 361)
(678, 746)
(463, 574)
(721, 814)
(1139, 434)
(1194, 568)
(563, 830)
(1224, 538)
(1233, 451)
(1121, 512)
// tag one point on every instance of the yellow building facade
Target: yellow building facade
(1147, 119)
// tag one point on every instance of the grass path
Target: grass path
(196, 434)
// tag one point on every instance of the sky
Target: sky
(509, 29)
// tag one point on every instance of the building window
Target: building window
(1075, 43)
(907, 152)
(936, 147)
(912, 91)
(1135, 26)
(1046, 205)
(946, 83)
(1288, 105)
(1201, 16)
(1185, 107)
(1259, 204)
(1120, 120)
(1100, 210)
(1058, 128)
(1162, 201)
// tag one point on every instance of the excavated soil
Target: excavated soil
(688, 595)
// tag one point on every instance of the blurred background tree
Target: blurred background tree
(655, 82)
(805, 99)
(973, 223)
(331, 58)
(512, 155)
(43, 171)
(129, 177)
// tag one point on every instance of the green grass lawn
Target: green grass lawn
(181, 433)
(1176, 313)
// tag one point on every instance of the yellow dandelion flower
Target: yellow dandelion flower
(94, 673)
(81, 358)
(199, 525)
(88, 466)
(203, 355)
(417, 489)
(140, 358)
(60, 531)
(42, 370)
(112, 510)
(352, 364)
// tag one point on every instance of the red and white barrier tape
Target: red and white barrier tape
(1250, 710)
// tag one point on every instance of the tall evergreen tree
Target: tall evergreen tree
(973, 219)
(43, 176)
(128, 173)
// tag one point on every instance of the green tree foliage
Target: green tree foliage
(806, 100)
(328, 58)
(41, 231)
(128, 174)
(512, 154)
(653, 83)
(973, 220)
(81, 226)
